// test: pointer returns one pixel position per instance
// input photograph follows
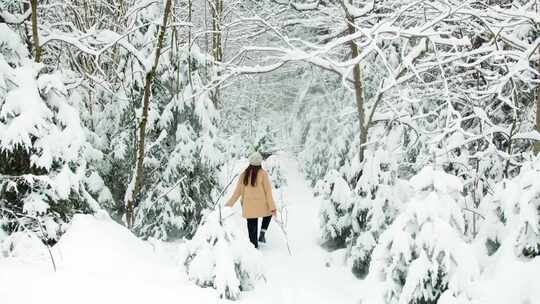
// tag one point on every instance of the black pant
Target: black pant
(253, 226)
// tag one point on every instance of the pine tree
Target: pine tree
(220, 256)
(422, 255)
(379, 198)
(44, 173)
(187, 156)
(513, 214)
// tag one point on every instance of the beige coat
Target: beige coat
(256, 201)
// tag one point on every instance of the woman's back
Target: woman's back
(257, 190)
(257, 200)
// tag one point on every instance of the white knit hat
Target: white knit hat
(255, 159)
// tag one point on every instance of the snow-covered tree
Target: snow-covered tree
(186, 158)
(379, 198)
(273, 166)
(335, 215)
(45, 175)
(220, 256)
(423, 253)
(147, 114)
(512, 213)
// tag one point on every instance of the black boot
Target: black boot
(262, 239)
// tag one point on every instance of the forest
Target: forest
(401, 139)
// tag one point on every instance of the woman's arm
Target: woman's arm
(236, 194)
(267, 186)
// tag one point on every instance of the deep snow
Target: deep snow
(100, 261)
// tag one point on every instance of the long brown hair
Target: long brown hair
(251, 171)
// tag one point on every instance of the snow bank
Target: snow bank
(98, 261)
(22, 245)
(510, 280)
(98, 244)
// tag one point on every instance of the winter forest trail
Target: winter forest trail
(302, 277)
(99, 261)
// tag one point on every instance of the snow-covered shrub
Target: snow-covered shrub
(512, 212)
(221, 256)
(325, 151)
(376, 191)
(264, 142)
(422, 254)
(278, 180)
(273, 167)
(378, 197)
(315, 163)
(334, 186)
(315, 155)
(43, 150)
(335, 213)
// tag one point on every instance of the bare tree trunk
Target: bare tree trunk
(35, 34)
(150, 75)
(217, 46)
(190, 9)
(513, 131)
(537, 143)
(358, 86)
(217, 11)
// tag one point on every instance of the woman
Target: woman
(255, 191)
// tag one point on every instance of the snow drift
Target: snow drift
(98, 261)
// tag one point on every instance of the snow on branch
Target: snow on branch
(308, 6)
(6, 17)
(356, 12)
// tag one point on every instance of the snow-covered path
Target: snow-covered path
(100, 261)
(304, 276)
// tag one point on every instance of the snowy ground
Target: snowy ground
(99, 261)
(304, 276)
